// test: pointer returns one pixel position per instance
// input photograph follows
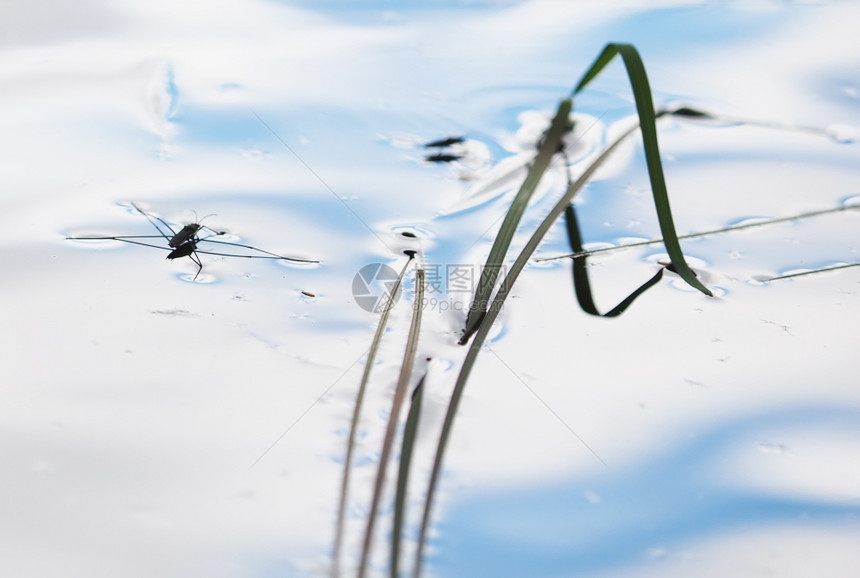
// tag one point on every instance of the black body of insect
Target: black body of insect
(185, 242)
(445, 142)
(442, 158)
(187, 233)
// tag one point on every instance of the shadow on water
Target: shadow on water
(661, 504)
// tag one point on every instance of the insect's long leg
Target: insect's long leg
(265, 254)
(113, 237)
(152, 219)
(125, 239)
(214, 232)
(194, 257)
(272, 256)
(188, 249)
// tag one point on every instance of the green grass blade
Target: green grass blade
(647, 122)
(581, 282)
(410, 433)
(581, 285)
(489, 274)
(356, 413)
(481, 326)
(484, 329)
(605, 57)
(391, 429)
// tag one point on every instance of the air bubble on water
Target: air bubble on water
(98, 243)
(695, 263)
(657, 257)
(658, 553)
(744, 221)
(794, 271)
(223, 238)
(682, 285)
(597, 246)
(297, 264)
(772, 448)
(852, 201)
(759, 280)
(593, 497)
(542, 263)
(843, 133)
(631, 240)
(412, 232)
(202, 278)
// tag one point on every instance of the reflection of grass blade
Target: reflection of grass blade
(559, 126)
(811, 272)
(484, 329)
(356, 412)
(396, 403)
(582, 254)
(410, 432)
(647, 117)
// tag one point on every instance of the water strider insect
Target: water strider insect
(185, 242)
(187, 233)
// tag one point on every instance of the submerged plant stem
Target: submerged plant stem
(353, 428)
(410, 433)
(396, 404)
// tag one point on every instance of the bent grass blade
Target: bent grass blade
(647, 124)
(410, 434)
(581, 282)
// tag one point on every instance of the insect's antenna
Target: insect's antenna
(202, 226)
(152, 219)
